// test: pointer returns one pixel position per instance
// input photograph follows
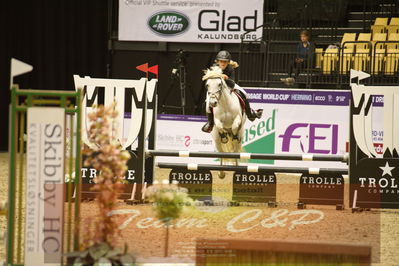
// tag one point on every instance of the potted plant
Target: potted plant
(100, 235)
(169, 201)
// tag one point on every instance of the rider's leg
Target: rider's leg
(251, 114)
(209, 125)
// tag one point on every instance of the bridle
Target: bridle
(218, 93)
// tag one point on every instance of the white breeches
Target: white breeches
(237, 87)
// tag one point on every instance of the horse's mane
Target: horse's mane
(213, 72)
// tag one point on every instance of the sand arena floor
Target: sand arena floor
(145, 236)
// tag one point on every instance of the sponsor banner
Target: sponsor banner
(321, 190)
(128, 125)
(212, 21)
(374, 162)
(294, 121)
(378, 127)
(44, 186)
(197, 183)
(179, 132)
(308, 97)
(254, 187)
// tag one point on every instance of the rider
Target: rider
(223, 60)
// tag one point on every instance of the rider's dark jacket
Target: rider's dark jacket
(230, 72)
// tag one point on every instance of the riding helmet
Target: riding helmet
(223, 56)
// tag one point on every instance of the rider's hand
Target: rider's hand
(225, 76)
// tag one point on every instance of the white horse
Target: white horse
(228, 116)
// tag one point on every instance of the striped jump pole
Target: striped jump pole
(254, 168)
(244, 155)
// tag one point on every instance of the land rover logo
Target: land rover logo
(168, 23)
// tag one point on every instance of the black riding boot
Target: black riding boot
(209, 125)
(251, 114)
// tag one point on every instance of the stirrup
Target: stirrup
(259, 113)
(255, 114)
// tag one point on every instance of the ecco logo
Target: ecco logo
(314, 137)
(168, 23)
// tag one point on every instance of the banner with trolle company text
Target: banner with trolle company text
(211, 21)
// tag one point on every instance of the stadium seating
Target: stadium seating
(378, 55)
(369, 52)
(393, 26)
(366, 43)
(347, 50)
(330, 57)
(361, 58)
(379, 25)
(392, 57)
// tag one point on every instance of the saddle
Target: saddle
(242, 102)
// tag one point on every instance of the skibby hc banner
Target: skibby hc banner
(212, 21)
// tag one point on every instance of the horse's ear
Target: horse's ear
(204, 77)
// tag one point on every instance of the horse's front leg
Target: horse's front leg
(235, 128)
(221, 131)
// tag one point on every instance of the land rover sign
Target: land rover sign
(211, 21)
(168, 23)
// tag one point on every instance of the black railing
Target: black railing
(329, 66)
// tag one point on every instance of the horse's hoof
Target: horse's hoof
(222, 175)
(223, 138)
(237, 138)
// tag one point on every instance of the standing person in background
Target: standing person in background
(303, 58)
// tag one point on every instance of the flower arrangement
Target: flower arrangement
(169, 202)
(106, 156)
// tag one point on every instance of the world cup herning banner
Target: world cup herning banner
(212, 21)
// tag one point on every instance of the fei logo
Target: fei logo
(313, 138)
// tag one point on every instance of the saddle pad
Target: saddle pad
(242, 102)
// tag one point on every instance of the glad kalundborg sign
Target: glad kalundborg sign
(214, 21)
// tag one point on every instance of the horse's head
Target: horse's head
(214, 84)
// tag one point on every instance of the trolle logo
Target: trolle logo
(314, 133)
(169, 23)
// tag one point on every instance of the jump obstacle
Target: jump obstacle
(254, 168)
(307, 194)
(25, 188)
(70, 102)
(247, 156)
